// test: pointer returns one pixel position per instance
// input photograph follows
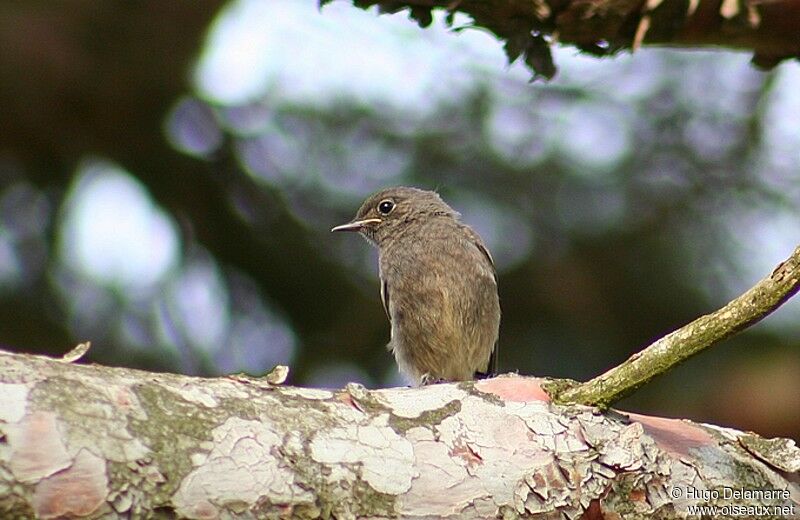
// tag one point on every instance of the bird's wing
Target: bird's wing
(385, 298)
(488, 256)
(478, 243)
(491, 369)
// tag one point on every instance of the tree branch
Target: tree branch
(99, 442)
(604, 27)
(676, 347)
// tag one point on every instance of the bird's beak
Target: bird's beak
(356, 225)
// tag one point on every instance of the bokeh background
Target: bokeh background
(169, 173)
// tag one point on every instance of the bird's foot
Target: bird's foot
(428, 379)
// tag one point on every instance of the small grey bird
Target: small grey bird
(438, 285)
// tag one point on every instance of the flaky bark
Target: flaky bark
(95, 442)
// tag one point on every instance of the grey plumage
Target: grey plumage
(438, 285)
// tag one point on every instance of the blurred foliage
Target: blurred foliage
(617, 209)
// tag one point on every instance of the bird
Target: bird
(438, 285)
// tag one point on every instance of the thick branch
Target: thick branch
(746, 310)
(91, 442)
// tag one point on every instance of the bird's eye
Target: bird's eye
(385, 206)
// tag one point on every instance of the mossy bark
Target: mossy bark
(98, 442)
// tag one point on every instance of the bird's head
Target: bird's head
(385, 213)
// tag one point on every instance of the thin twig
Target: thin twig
(742, 312)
